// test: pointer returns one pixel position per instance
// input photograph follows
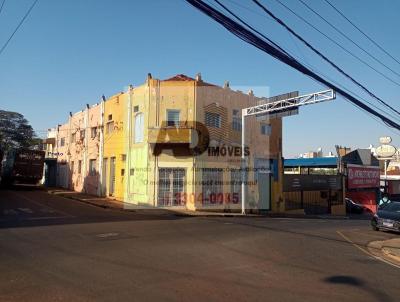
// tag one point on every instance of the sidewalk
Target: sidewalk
(390, 248)
(108, 203)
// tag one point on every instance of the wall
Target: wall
(114, 145)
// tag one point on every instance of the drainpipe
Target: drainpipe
(101, 149)
(69, 174)
(128, 145)
(85, 146)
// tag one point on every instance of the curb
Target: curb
(386, 252)
(195, 213)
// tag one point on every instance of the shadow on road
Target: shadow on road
(358, 282)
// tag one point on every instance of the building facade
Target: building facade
(78, 149)
(113, 166)
(174, 143)
(163, 168)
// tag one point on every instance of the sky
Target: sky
(70, 53)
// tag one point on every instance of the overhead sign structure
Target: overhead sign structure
(278, 107)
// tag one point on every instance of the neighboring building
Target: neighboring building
(313, 186)
(113, 168)
(50, 162)
(162, 130)
(77, 146)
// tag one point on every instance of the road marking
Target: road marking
(106, 235)
(366, 251)
(26, 210)
(46, 217)
(10, 212)
(43, 205)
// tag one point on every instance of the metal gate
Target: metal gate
(171, 186)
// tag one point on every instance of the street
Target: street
(57, 249)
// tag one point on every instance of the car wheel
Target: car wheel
(374, 225)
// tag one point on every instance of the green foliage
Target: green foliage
(15, 131)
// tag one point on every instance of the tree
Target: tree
(15, 131)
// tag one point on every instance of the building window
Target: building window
(110, 117)
(171, 188)
(213, 120)
(93, 132)
(131, 172)
(236, 123)
(62, 142)
(92, 167)
(172, 118)
(236, 120)
(122, 172)
(265, 129)
(72, 167)
(82, 134)
(79, 166)
(136, 109)
(139, 128)
(73, 137)
(212, 186)
(110, 127)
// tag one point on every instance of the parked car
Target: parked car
(353, 207)
(387, 217)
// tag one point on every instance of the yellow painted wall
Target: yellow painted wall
(153, 99)
(114, 143)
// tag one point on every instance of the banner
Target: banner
(362, 177)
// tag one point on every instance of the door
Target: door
(112, 177)
(104, 178)
(264, 190)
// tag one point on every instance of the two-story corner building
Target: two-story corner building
(113, 166)
(77, 149)
(182, 146)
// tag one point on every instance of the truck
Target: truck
(23, 166)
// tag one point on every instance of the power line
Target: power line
(362, 32)
(338, 44)
(348, 38)
(2, 4)
(18, 26)
(252, 28)
(249, 37)
(323, 56)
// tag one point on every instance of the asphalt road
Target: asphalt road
(56, 249)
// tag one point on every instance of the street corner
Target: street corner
(387, 249)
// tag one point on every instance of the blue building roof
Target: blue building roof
(322, 162)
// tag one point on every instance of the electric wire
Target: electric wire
(340, 70)
(1, 7)
(338, 44)
(362, 32)
(18, 26)
(251, 38)
(348, 38)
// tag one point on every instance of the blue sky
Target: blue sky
(69, 53)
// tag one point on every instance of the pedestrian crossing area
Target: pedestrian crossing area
(26, 213)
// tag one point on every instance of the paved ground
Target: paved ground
(56, 249)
